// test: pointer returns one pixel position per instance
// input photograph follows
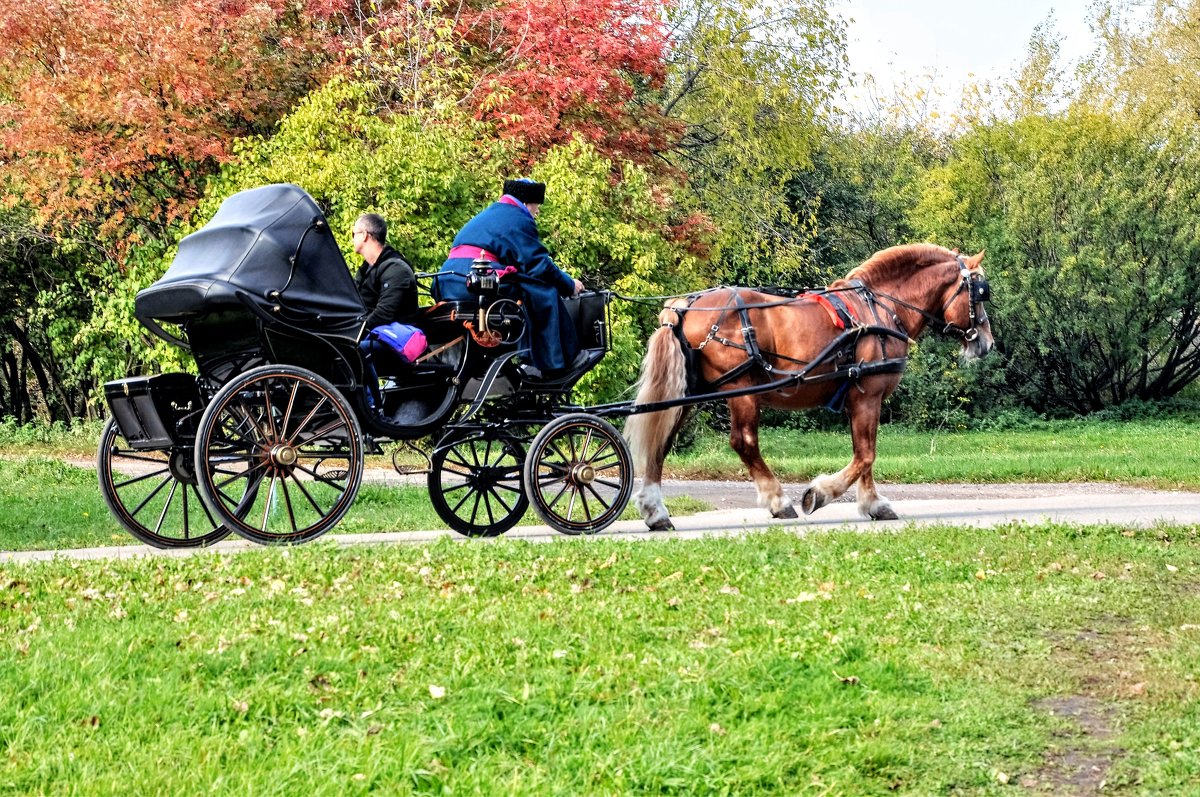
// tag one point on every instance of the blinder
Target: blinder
(978, 290)
(981, 291)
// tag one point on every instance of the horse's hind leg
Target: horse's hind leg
(743, 437)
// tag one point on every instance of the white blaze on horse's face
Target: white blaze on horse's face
(967, 311)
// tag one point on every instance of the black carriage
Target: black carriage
(268, 438)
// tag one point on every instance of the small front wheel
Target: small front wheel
(475, 483)
(579, 474)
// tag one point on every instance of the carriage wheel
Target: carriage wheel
(153, 494)
(579, 474)
(279, 455)
(475, 483)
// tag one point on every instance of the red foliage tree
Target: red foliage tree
(559, 67)
(111, 110)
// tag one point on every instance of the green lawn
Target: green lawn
(925, 662)
(47, 504)
(1152, 453)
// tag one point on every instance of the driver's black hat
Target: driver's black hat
(528, 191)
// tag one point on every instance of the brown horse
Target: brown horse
(844, 346)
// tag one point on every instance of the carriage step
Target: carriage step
(405, 469)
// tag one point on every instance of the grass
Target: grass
(1149, 453)
(840, 663)
(49, 504)
(1132, 452)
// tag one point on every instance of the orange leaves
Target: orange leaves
(564, 67)
(116, 104)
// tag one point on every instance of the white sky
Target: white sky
(956, 40)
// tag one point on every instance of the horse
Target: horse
(843, 347)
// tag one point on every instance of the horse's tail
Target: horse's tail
(663, 377)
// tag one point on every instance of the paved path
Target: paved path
(952, 504)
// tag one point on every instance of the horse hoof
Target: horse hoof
(885, 513)
(788, 511)
(811, 500)
(662, 525)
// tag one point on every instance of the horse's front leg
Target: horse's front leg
(743, 438)
(863, 411)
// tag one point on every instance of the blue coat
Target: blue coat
(509, 232)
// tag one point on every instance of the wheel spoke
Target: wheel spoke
(267, 504)
(322, 479)
(125, 454)
(464, 473)
(325, 430)
(605, 445)
(500, 500)
(186, 532)
(243, 474)
(463, 500)
(287, 500)
(554, 500)
(308, 495)
(270, 412)
(311, 413)
(141, 478)
(204, 506)
(604, 502)
(475, 508)
(150, 497)
(287, 415)
(166, 507)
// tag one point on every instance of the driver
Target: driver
(505, 233)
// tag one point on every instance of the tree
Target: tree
(1089, 221)
(751, 82)
(553, 69)
(111, 111)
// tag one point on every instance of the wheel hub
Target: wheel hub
(283, 456)
(583, 473)
(181, 467)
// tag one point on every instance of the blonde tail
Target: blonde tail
(663, 377)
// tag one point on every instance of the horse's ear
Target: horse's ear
(974, 261)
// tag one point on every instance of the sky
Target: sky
(957, 40)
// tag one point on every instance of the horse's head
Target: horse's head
(927, 285)
(963, 311)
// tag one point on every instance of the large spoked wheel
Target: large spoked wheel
(279, 455)
(475, 483)
(579, 474)
(153, 494)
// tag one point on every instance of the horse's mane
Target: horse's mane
(897, 262)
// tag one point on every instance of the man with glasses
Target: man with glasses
(388, 289)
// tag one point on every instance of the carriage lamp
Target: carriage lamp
(482, 279)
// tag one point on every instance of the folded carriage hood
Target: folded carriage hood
(248, 247)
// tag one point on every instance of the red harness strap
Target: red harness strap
(838, 315)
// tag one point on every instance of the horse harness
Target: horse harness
(840, 350)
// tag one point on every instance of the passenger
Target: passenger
(505, 233)
(388, 289)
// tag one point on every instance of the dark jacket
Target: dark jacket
(388, 289)
(510, 233)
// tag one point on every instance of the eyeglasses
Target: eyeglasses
(357, 233)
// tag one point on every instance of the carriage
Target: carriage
(269, 436)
